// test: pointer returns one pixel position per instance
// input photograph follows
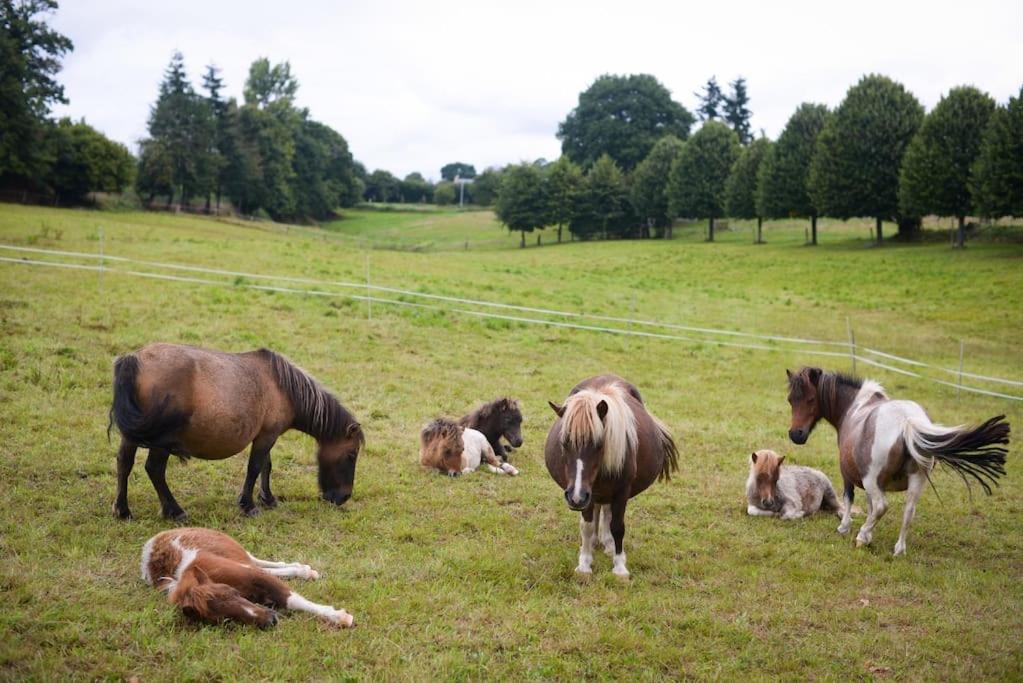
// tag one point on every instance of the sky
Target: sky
(415, 85)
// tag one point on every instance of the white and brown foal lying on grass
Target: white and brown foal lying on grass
(212, 578)
(789, 492)
(886, 445)
(452, 449)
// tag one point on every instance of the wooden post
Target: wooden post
(880, 235)
(852, 343)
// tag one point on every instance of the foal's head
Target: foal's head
(766, 466)
(337, 458)
(201, 599)
(504, 416)
(442, 445)
(805, 401)
(597, 432)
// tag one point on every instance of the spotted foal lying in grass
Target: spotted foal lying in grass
(212, 578)
(789, 492)
(451, 449)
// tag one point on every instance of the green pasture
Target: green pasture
(472, 578)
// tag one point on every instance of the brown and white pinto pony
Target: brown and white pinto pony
(497, 419)
(888, 445)
(212, 578)
(451, 449)
(605, 448)
(197, 403)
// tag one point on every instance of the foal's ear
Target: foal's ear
(754, 457)
(602, 409)
(201, 576)
(781, 460)
(558, 410)
(815, 374)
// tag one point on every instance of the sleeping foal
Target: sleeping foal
(212, 578)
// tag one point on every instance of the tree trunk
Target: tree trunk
(207, 203)
(879, 235)
(710, 235)
(522, 244)
(961, 237)
(813, 229)
(559, 233)
(760, 229)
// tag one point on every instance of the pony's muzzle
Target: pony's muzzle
(577, 503)
(337, 496)
(516, 442)
(798, 436)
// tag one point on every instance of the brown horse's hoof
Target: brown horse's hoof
(270, 502)
(123, 514)
(250, 512)
(179, 517)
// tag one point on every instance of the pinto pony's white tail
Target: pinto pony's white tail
(975, 451)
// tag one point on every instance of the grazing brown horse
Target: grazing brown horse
(212, 578)
(605, 448)
(499, 418)
(192, 402)
(887, 445)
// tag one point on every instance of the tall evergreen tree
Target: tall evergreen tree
(936, 169)
(30, 53)
(213, 83)
(997, 181)
(783, 182)
(564, 186)
(711, 101)
(859, 151)
(741, 188)
(696, 186)
(736, 112)
(522, 204)
(649, 191)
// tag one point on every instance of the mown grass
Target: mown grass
(422, 228)
(472, 578)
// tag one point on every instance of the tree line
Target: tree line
(630, 168)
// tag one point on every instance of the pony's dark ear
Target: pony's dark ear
(815, 375)
(602, 409)
(781, 459)
(354, 429)
(754, 457)
(558, 410)
(788, 373)
(201, 576)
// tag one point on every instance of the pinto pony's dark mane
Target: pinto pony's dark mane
(317, 412)
(830, 386)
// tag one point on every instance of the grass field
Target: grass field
(472, 578)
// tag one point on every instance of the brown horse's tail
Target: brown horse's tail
(156, 429)
(975, 451)
(670, 450)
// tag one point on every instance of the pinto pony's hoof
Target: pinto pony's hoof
(342, 618)
(860, 543)
(624, 577)
(270, 502)
(176, 516)
(122, 513)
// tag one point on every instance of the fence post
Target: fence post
(852, 343)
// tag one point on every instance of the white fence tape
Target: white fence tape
(510, 318)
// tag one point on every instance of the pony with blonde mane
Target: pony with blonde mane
(605, 448)
(451, 449)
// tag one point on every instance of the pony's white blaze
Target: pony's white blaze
(576, 488)
(616, 432)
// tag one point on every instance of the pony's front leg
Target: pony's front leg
(604, 536)
(586, 530)
(258, 458)
(266, 496)
(156, 468)
(618, 533)
(125, 461)
(848, 495)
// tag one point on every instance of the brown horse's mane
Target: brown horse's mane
(317, 412)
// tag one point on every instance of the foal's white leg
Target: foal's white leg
(298, 569)
(604, 529)
(916, 486)
(586, 549)
(878, 506)
(754, 511)
(335, 616)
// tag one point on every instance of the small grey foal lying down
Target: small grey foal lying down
(789, 492)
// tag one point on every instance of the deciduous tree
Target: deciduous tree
(696, 186)
(649, 188)
(997, 183)
(741, 188)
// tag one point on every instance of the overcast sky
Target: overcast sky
(414, 85)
